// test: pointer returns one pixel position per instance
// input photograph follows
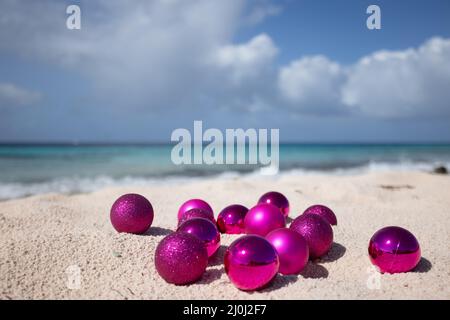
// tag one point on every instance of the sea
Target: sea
(34, 169)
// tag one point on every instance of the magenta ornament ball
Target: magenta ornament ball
(324, 212)
(251, 262)
(394, 250)
(317, 233)
(263, 218)
(204, 230)
(231, 219)
(278, 200)
(131, 213)
(197, 213)
(194, 204)
(181, 258)
(292, 250)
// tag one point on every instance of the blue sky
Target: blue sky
(337, 28)
(138, 70)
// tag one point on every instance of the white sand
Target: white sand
(44, 239)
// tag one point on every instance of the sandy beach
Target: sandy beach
(47, 239)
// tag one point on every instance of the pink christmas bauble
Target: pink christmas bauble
(194, 204)
(324, 212)
(316, 231)
(394, 250)
(251, 262)
(263, 218)
(181, 258)
(205, 230)
(292, 249)
(197, 213)
(278, 200)
(131, 213)
(231, 219)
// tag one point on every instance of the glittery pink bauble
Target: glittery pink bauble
(193, 204)
(231, 219)
(263, 218)
(251, 262)
(316, 231)
(181, 258)
(197, 213)
(278, 200)
(324, 212)
(205, 230)
(131, 213)
(394, 250)
(292, 249)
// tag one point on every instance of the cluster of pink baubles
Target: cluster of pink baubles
(268, 247)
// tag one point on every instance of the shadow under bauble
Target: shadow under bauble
(423, 266)
(157, 231)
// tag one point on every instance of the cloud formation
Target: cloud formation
(412, 82)
(384, 84)
(261, 11)
(312, 84)
(12, 95)
(161, 55)
(246, 62)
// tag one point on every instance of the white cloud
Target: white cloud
(147, 53)
(165, 54)
(152, 54)
(11, 95)
(311, 84)
(263, 10)
(412, 82)
(386, 84)
(246, 61)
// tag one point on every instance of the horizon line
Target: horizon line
(160, 143)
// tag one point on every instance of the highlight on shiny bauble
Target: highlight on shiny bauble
(394, 250)
(278, 200)
(292, 250)
(197, 213)
(263, 218)
(204, 230)
(231, 219)
(194, 204)
(251, 262)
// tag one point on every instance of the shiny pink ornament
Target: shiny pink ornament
(251, 262)
(278, 200)
(181, 258)
(197, 213)
(193, 204)
(317, 233)
(231, 219)
(394, 250)
(292, 249)
(324, 212)
(205, 230)
(131, 213)
(263, 218)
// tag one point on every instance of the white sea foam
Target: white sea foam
(70, 185)
(372, 167)
(67, 186)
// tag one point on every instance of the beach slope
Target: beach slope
(60, 246)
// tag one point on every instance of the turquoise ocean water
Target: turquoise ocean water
(27, 170)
